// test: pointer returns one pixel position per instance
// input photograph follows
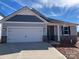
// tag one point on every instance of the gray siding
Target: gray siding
(25, 18)
(73, 30)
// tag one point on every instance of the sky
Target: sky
(66, 10)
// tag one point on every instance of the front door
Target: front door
(50, 32)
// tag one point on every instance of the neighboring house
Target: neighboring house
(28, 25)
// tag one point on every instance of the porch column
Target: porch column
(58, 30)
(0, 31)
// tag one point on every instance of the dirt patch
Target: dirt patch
(71, 52)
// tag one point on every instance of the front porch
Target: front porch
(53, 33)
(61, 34)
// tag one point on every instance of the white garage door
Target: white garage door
(29, 34)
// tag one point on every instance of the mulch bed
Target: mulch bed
(71, 52)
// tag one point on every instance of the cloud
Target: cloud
(77, 16)
(71, 2)
(60, 3)
(55, 14)
(67, 8)
(48, 3)
(7, 6)
(36, 5)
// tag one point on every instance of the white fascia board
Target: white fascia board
(26, 22)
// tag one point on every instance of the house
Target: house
(28, 25)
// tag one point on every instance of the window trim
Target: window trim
(63, 30)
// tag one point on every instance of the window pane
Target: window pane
(66, 32)
(66, 28)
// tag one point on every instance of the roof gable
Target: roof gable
(23, 11)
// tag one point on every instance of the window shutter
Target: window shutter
(62, 29)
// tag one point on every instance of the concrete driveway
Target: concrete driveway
(39, 50)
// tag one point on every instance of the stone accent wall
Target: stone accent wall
(69, 39)
(4, 39)
(56, 37)
(45, 39)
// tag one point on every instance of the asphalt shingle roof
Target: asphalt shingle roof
(50, 19)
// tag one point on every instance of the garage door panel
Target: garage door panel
(14, 35)
(32, 34)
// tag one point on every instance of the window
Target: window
(66, 30)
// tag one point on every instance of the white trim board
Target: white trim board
(26, 22)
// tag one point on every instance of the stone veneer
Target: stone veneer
(4, 39)
(68, 39)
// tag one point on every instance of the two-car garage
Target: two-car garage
(24, 34)
(25, 25)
